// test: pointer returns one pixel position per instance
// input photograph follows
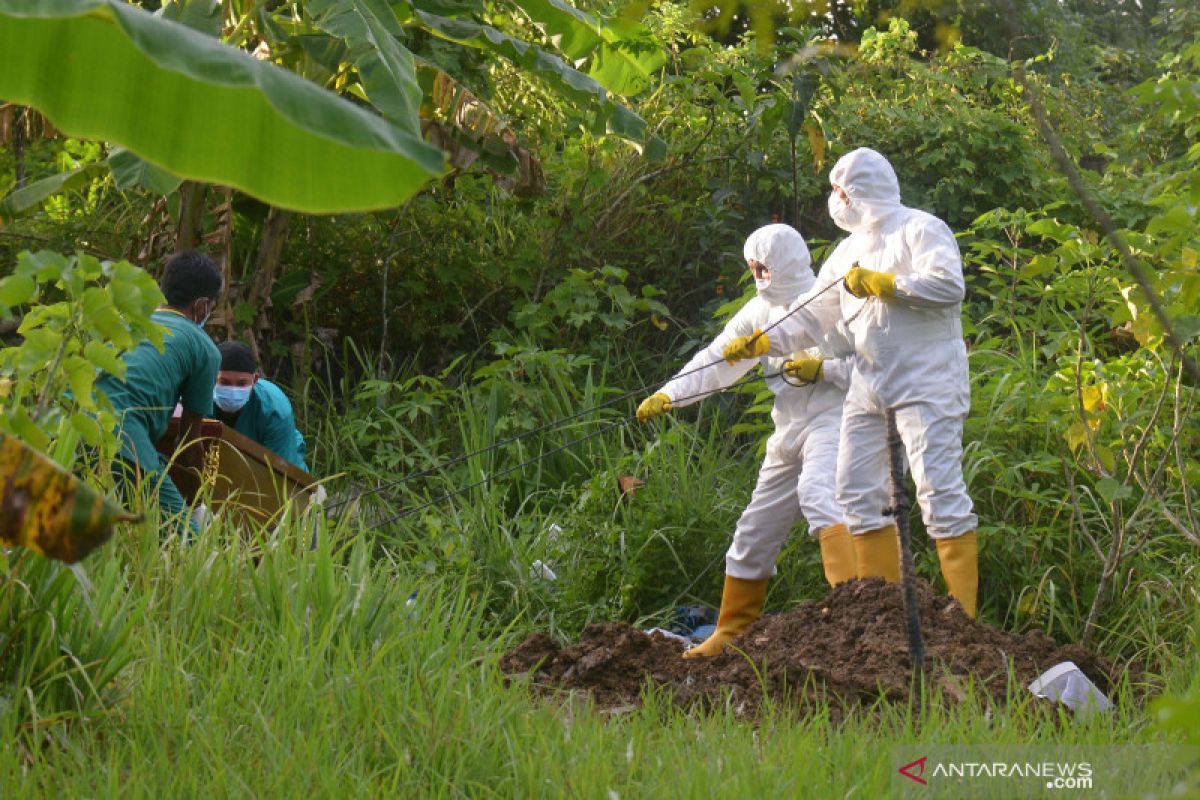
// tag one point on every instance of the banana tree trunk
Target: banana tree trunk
(266, 268)
(191, 215)
(18, 145)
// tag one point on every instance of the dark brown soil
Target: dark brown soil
(850, 648)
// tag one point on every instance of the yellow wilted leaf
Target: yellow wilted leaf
(1075, 436)
(658, 323)
(1093, 398)
(816, 143)
(1145, 329)
(47, 509)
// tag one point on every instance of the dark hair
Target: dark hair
(237, 357)
(188, 277)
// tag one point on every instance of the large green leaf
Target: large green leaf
(385, 67)
(103, 69)
(627, 66)
(448, 8)
(622, 55)
(33, 195)
(128, 171)
(571, 84)
(575, 33)
(200, 15)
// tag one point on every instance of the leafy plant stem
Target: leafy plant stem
(1075, 181)
(43, 401)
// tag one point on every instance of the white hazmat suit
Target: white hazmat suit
(797, 477)
(909, 355)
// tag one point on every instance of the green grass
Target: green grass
(281, 672)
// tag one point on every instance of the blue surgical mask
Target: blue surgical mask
(231, 398)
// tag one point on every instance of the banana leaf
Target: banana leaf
(582, 90)
(622, 55)
(204, 111)
(47, 509)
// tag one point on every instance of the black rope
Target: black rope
(527, 462)
(557, 423)
(564, 420)
(901, 505)
(507, 470)
(811, 297)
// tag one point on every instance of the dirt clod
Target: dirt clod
(851, 647)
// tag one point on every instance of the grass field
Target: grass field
(318, 674)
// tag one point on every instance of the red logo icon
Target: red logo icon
(914, 770)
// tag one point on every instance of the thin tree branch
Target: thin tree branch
(1075, 181)
(1132, 456)
(1077, 513)
(1177, 427)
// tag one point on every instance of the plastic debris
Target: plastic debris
(683, 640)
(540, 570)
(201, 517)
(687, 619)
(1065, 683)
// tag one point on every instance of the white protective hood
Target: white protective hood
(782, 249)
(869, 180)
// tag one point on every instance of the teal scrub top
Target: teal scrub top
(267, 418)
(184, 372)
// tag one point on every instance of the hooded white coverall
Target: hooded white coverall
(797, 474)
(909, 352)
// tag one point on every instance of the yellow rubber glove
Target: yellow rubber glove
(653, 406)
(747, 347)
(805, 369)
(863, 282)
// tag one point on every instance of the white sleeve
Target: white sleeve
(837, 371)
(708, 372)
(937, 277)
(810, 317)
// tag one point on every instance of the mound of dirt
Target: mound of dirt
(849, 648)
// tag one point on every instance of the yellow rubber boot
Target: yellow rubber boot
(877, 553)
(837, 553)
(960, 568)
(741, 603)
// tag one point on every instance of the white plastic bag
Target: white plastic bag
(1065, 683)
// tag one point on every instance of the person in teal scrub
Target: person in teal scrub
(255, 407)
(155, 381)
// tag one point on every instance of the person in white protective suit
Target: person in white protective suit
(797, 474)
(900, 303)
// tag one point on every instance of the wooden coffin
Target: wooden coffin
(239, 474)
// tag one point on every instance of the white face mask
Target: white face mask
(762, 283)
(847, 214)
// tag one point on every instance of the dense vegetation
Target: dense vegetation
(563, 265)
